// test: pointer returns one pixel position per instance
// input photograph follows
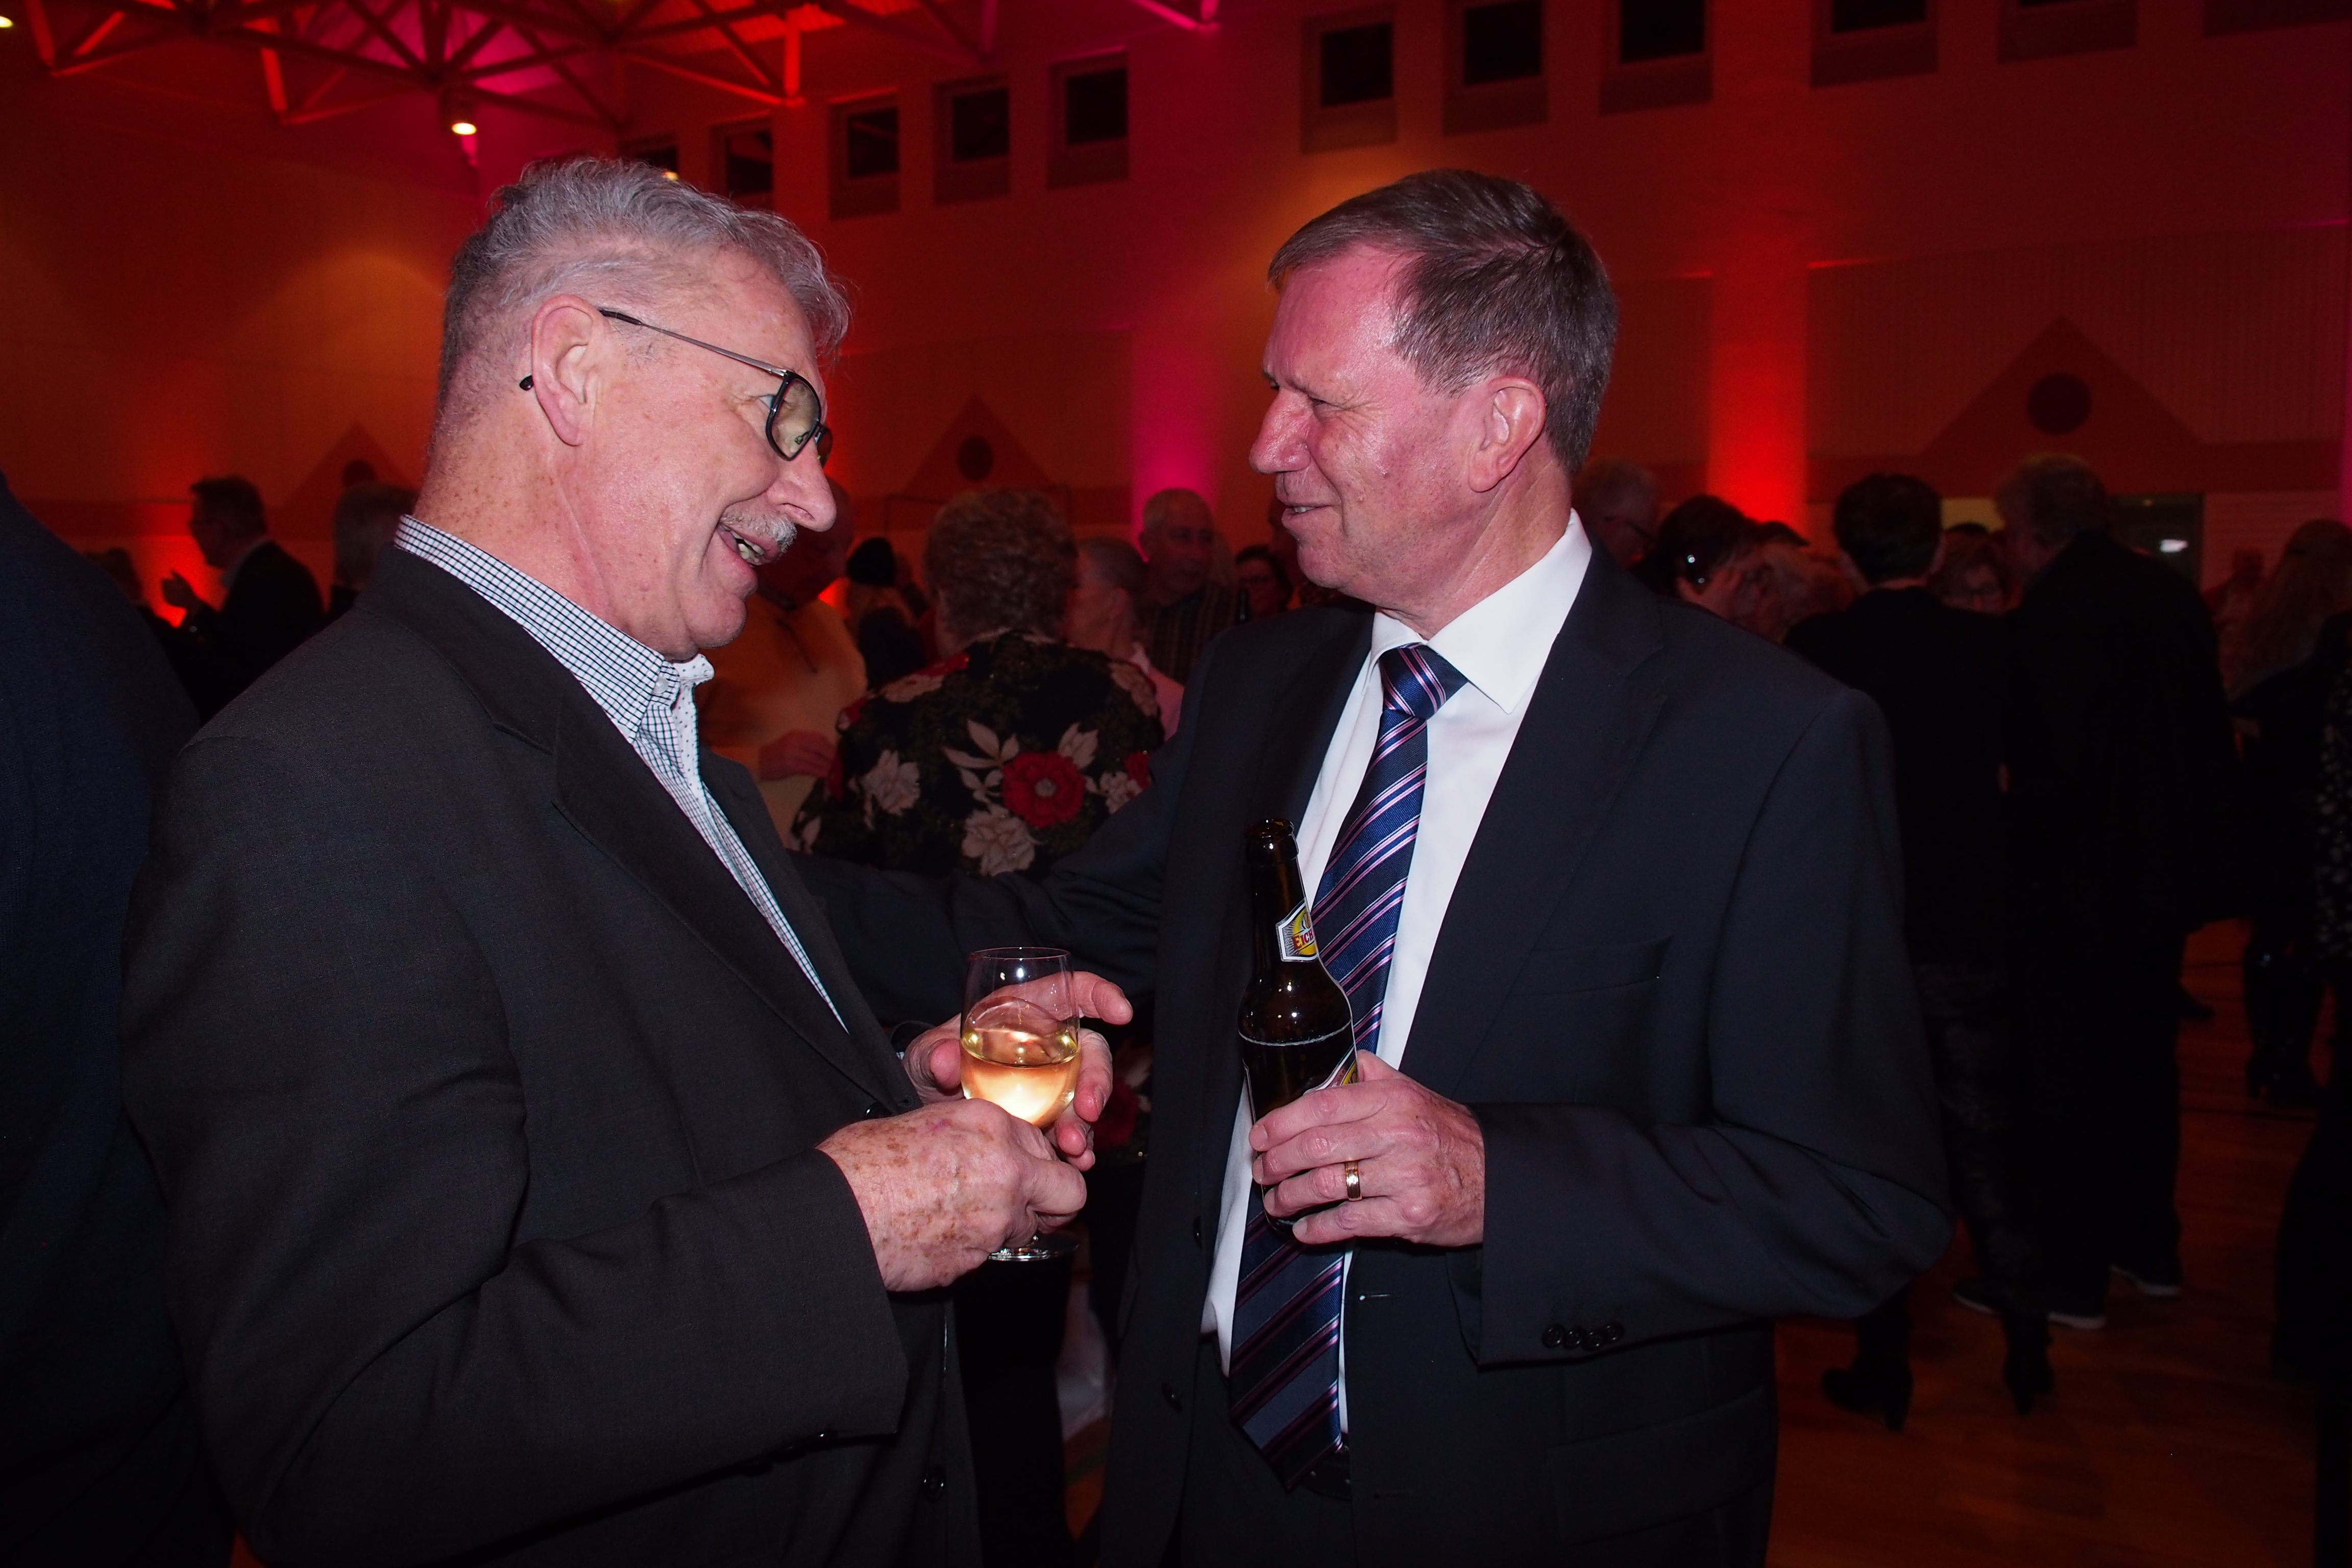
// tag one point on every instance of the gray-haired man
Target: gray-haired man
(541, 1188)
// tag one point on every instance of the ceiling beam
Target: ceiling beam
(916, 38)
(669, 66)
(954, 29)
(382, 29)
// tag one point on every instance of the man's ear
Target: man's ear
(1511, 416)
(567, 340)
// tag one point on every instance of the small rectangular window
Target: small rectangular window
(1348, 79)
(972, 139)
(2225, 16)
(873, 142)
(1864, 40)
(1089, 98)
(1502, 43)
(864, 155)
(744, 160)
(2041, 29)
(1356, 65)
(1494, 65)
(1660, 29)
(1657, 55)
(1095, 107)
(1863, 16)
(980, 125)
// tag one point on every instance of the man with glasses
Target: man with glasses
(541, 1188)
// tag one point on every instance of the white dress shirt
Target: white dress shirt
(648, 698)
(1499, 645)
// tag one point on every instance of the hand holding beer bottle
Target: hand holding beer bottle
(1383, 1156)
(1296, 1032)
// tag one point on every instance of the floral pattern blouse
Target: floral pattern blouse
(1004, 758)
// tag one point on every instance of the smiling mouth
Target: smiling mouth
(754, 551)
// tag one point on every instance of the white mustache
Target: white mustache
(769, 536)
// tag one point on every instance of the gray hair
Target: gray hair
(1161, 509)
(624, 232)
(1496, 281)
(2055, 498)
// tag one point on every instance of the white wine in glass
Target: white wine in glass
(1020, 1041)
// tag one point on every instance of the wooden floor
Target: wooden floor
(2169, 1442)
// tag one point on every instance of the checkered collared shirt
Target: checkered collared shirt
(649, 699)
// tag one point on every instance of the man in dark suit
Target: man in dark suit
(99, 1461)
(2120, 772)
(1940, 676)
(1614, 882)
(272, 603)
(540, 1189)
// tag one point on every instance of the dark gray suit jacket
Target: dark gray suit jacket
(1672, 984)
(484, 1103)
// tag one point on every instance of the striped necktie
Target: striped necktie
(1286, 1359)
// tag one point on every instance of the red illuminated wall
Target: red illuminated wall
(1113, 330)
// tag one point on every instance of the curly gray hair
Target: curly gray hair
(624, 232)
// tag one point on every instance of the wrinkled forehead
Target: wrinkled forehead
(1349, 298)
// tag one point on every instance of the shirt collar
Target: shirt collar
(1501, 643)
(624, 676)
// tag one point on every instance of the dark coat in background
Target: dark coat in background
(272, 606)
(485, 1105)
(1939, 676)
(100, 1463)
(1671, 983)
(2121, 765)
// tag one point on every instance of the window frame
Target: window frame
(1369, 122)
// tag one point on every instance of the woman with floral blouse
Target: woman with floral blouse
(1009, 753)
(1005, 756)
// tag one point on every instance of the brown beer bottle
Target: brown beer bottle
(1296, 1031)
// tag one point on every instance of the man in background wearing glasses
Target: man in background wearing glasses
(541, 1188)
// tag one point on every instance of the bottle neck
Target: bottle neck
(1276, 892)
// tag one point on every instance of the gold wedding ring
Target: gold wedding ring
(1355, 1182)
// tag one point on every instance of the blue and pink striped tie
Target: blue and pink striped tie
(1284, 1376)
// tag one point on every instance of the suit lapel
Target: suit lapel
(739, 798)
(604, 789)
(1299, 728)
(1592, 712)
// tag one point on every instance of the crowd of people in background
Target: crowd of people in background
(2091, 763)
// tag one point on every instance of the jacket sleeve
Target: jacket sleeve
(315, 1054)
(1817, 1184)
(906, 936)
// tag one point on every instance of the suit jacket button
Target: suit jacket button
(1555, 1337)
(1167, 1392)
(1196, 1230)
(872, 1111)
(1611, 1333)
(936, 1478)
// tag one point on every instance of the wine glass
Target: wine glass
(1020, 1039)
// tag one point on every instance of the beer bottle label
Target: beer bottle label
(1297, 936)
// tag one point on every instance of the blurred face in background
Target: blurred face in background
(1177, 548)
(1102, 617)
(1261, 587)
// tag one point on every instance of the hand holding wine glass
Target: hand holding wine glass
(936, 1060)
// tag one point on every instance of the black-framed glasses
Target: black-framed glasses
(795, 413)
